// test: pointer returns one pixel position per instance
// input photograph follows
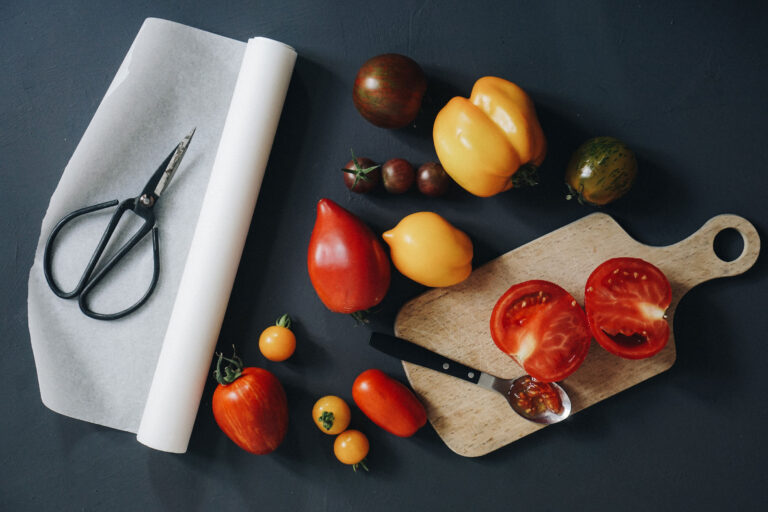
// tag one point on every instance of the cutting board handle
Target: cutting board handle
(694, 260)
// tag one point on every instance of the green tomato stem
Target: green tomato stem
(327, 419)
(232, 371)
(360, 317)
(284, 321)
(360, 464)
(579, 195)
(359, 172)
(526, 176)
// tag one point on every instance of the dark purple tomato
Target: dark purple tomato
(361, 175)
(432, 179)
(388, 90)
(398, 175)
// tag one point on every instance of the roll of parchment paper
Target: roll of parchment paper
(217, 245)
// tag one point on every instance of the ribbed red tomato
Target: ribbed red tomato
(626, 301)
(542, 327)
(347, 264)
(388, 403)
(250, 406)
(388, 90)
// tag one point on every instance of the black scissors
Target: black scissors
(142, 205)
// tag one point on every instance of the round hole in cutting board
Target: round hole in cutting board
(729, 244)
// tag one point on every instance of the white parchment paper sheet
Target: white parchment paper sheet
(173, 78)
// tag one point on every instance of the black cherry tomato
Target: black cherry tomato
(432, 179)
(361, 175)
(398, 175)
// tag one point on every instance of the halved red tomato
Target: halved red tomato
(543, 328)
(626, 301)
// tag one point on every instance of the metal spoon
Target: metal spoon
(512, 389)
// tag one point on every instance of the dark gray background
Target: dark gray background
(683, 84)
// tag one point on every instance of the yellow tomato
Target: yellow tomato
(278, 342)
(331, 414)
(428, 249)
(351, 447)
(491, 141)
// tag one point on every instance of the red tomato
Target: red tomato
(388, 403)
(252, 410)
(626, 300)
(388, 90)
(542, 328)
(347, 264)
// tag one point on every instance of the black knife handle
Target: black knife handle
(412, 353)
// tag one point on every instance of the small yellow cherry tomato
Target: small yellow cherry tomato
(278, 342)
(331, 414)
(428, 249)
(351, 447)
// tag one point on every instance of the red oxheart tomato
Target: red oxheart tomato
(388, 90)
(347, 264)
(388, 403)
(542, 328)
(626, 300)
(250, 406)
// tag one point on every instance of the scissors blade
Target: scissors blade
(162, 176)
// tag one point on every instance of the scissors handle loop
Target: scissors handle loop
(82, 299)
(87, 283)
(48, 252)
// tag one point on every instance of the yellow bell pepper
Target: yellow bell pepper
(484, 141)
(428, 249)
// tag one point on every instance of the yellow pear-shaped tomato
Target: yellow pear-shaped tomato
(428, 249)
(483, 141)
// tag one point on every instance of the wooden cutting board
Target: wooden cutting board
(454, 322)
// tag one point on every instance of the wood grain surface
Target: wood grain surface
(454, 322)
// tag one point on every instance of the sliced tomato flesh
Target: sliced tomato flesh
(626, 301)
(532, 398)
(542, 327)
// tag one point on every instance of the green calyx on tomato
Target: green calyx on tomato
(359, 171)
(526, 176)
(327, 419)
(600, 171)
(284, 321)
(232, 371)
